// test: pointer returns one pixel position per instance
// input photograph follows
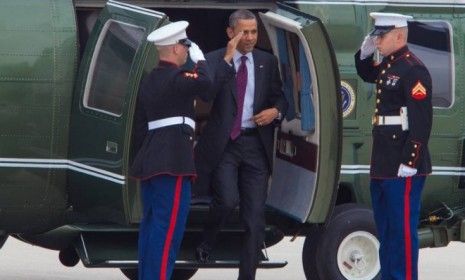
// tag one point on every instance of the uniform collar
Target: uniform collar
(399, 53)
(166, 64)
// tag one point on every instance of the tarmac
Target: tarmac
(21, 261)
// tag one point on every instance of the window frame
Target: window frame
(451, 63)
(93, 63)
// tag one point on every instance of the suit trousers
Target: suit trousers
(166, 202)
(396, 208)
(241, 177)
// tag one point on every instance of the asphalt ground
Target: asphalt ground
(21, 261)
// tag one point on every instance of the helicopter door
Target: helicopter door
(106, 86)
(308, 144)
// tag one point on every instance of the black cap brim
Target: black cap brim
(381, 30)
(186, 42)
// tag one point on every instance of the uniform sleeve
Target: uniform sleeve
(197, 82)
(366, 68)
(418, 94)
(140, 124)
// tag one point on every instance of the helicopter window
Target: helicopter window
(431, 41)
(286, 73)
(109, 70)
(297, 81)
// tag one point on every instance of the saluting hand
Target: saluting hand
(231, 47)
(196, 53)
(368, 47)
(266, 116)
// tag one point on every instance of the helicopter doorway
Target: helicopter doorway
(307, 151)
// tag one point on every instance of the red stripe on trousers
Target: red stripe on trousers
(408, 240)
(169, 234)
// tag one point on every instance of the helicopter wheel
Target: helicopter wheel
(347, 247)
(309, 256)
(3, 239)
(130, 273)
(178, 274)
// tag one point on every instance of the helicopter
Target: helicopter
(70, 75)
(68, 101)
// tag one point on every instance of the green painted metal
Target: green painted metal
(38, 54)
(102, 139)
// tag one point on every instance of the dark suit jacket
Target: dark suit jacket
(268, 94)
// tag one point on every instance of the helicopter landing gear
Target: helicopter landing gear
(3, 238)
(178, 274)
(345, 249)
(68, 257)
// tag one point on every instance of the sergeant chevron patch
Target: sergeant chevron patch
(418, 91)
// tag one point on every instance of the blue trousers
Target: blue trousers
(166, 202)
(396, 208)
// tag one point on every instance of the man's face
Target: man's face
(249, 38)
(182, 53)
(387, 43)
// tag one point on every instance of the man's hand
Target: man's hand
(368, 47)
(265, 117)
(196, 53)
(405, 171)
(231, 47)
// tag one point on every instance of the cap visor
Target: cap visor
(186, 42)
(381, 30)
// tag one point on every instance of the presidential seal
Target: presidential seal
(348, 98)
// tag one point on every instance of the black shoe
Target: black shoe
(202, 253)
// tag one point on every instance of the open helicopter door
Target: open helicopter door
(308, 147)
(101, 123)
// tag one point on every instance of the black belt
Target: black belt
(245, 131)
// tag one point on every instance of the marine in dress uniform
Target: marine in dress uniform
(401, 128)
(164, 131)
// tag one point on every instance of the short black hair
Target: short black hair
(240, 14)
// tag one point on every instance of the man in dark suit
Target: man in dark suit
(235, 149)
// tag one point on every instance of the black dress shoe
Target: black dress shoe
(202, 253)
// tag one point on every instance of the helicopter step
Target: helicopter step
(103, 248)
(229, 264)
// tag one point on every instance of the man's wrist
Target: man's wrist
(278, 113)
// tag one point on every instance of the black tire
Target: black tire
(178, 274)
(68, 257)
(130, 273)
(183, 274)
(3, 239)
(357, 221)
(309, 252)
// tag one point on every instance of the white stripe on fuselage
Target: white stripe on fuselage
(62, 164)
(411, 3)
(437, 170)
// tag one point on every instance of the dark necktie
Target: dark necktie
(241, 84)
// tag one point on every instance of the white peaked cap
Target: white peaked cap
(169, 34)
(385, 22)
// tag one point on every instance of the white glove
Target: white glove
(405, 171)
(196, 53)
(368, 47)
